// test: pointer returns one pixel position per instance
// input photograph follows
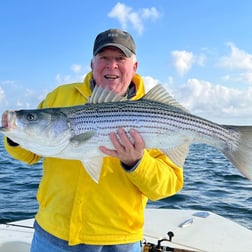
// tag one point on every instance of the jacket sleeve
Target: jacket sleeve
(157, 176)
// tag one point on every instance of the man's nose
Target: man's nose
(112, 62)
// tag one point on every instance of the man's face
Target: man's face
(113, 70)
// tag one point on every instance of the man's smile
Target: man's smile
(111, 77)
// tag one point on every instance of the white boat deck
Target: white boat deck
(16, 236)
(193, 230)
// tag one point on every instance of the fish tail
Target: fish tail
(241, 156)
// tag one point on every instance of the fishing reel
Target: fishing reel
(150, 247)
(159, 247)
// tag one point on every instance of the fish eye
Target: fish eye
(31, 117)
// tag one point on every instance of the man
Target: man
(77, 214)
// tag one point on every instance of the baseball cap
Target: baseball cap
(117, 38)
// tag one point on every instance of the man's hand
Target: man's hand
(128, 151)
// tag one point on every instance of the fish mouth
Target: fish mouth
(8, 121)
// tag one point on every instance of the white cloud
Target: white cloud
(76, 68)
(149, 82)
(60, 79)
(120, 12)
(247, 77)
(77, 73)
(216, 102)
(239, 63)
(183, 61)
(15, 96)
(2, 95)
(128, 17)
(151, 13)
(237, 59)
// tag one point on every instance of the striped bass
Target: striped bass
(77, 132)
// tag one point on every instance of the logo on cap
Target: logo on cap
(117, 38)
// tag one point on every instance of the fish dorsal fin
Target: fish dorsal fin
(160, 94)
(100, 95)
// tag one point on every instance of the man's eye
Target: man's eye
(120, 58)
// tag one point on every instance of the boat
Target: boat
(193, 230)
(164, 230)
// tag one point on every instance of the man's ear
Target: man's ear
(135, 66)
(91, 64)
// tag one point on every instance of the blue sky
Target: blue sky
(200, 50)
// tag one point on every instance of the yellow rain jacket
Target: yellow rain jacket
(75, 208)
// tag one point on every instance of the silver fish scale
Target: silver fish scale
(148, 117)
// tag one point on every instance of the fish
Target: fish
(76, 132)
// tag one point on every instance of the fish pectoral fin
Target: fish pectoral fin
(82, 138)
(93, 167)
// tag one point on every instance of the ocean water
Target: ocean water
(211, 184)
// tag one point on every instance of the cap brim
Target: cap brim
(124, 49)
